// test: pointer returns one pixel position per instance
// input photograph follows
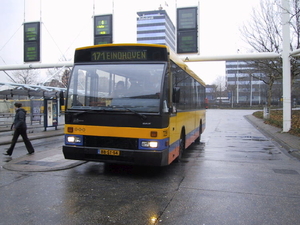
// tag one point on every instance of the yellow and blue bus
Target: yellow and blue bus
(132, 104)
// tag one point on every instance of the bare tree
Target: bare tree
(25, 76)
(58, 77)
(220, 87)
(263, 34)
(65, 77)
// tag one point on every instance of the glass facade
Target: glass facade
(243, 83)
(155, 27)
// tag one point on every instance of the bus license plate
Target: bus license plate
(109, 152)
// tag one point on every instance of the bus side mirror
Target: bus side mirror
(176, 94)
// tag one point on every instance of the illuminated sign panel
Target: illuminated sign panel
(31, 52)
(32, 31)
(187, 18)
(187, 32)
(121, 53)
(102, 40)
(103, 25)
(103, 29)
(118, 56)
(31, 41)
(187, 42)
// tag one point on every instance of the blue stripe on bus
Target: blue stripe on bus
(190, 137)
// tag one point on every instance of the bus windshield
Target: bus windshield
(116, 86)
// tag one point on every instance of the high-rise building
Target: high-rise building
(155, 27)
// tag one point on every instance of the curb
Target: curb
(287, 141)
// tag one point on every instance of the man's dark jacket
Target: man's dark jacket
(20, 119)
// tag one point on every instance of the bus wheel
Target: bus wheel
(181, 147)
(200, 132)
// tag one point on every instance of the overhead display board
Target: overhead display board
(102, 40)
(187, 18)
(187, 30)
(103, 29)
(187, 41)
(32, 42)
(31, 51)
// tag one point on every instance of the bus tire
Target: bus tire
(198, 139)
(181, 146)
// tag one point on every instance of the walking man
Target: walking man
(20, 128)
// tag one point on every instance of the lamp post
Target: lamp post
(286, 66)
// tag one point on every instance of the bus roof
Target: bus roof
(173, 56)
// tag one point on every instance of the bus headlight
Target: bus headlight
(74, 139)
(149, 144)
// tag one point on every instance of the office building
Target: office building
(243, 84)
(155, 27)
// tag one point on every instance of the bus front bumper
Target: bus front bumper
(123, 156)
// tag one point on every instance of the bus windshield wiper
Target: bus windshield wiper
(143, 117)
(83, 111)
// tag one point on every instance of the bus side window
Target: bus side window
(176, 94)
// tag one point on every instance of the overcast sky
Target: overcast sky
(68, 24)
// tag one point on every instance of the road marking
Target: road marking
(52, 158)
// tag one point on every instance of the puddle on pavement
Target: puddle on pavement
(250, 138)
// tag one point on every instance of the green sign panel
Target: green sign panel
(31, 51)
(32, 42)
(187, 18)
(32, 31)
(187, 32)
(103, 29)
(187, 42)
(103, 40)
(103, 25)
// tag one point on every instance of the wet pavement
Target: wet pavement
(243, 172)
(42, 161)
(242, 176)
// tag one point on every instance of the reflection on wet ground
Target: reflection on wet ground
(235, 176)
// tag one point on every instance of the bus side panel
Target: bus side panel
(173, 152)
(190, 121)
(174, 147)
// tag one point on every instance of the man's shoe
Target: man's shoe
(5, 153)
(30, 153)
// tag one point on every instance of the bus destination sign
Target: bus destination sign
(100, 56)
(107, 53)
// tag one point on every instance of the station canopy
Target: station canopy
(9, 90)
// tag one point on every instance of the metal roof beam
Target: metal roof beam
(249, 56)
(36, 66)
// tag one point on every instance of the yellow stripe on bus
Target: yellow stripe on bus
(126, 132)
